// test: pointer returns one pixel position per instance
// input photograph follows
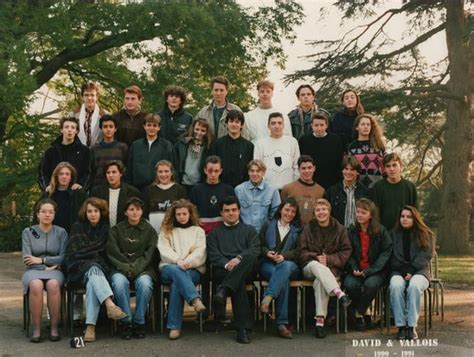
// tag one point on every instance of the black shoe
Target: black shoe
(220, 297)
(345, 301)
(36, 339)
(126, 331)
(368, 321)
(139, 331)
(243, 336)
(360, 324)
(411, 333)
(54, 338)
(401, 335)
(320, 332)
(330, 320)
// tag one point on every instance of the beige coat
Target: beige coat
(188, 244)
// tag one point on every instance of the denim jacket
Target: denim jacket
(258, 204)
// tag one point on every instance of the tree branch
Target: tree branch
(430, 173)
(78, 53)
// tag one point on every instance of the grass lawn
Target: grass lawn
(457, 269)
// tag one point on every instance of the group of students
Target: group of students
(268, 196)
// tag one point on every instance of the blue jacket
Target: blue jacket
(258, 204)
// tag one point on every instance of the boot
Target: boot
(89, 333)
(198, 305)
(115, 313)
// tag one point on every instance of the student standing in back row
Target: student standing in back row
(130, 118)
(257, 119)
(176, 120)
(216, 112)
(88, 115)
(301, 116)
(343, 121)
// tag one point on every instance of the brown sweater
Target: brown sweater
(331, 241)
(306, 195)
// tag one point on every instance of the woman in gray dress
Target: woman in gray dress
(43, 247)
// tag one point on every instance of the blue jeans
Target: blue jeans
(405, 297)
(144, 290)
(182, 288)
(278, 277)
(97, 291)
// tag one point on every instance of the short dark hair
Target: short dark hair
(175, 91)
(293, 203)
(235, 114)
(45, 201)
(298, 90)
(213, 159)
(107, 117)
(229, 200)
(393, 156)
(221, 80)
(134, 201)
(69, 118)
(275, 115)
(321, 116)
(305, 158)
(118, 163)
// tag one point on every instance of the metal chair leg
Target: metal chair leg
(162, 309)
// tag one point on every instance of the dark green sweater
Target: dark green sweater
(390, 199)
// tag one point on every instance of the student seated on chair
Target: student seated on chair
(233, 249)
(324, 251)
(86, 264)
(182, 247)
(43, 247)
(130, 250)
(367, 266)
(278, 263)
(413, 244)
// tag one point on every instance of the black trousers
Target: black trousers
(363, 290)
(235, 281)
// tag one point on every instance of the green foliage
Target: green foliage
(394, 81)
(65, 43)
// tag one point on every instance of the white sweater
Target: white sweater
(256, 122)
(284, 151)
(188, 244)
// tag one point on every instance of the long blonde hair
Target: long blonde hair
(54, 176)
(169, 221)
(376, 135)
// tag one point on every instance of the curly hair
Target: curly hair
(169, 222)
(376, 135)
(98, 203)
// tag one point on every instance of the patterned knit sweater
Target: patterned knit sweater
(371, 161)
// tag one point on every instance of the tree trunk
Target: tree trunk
(457, 152)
